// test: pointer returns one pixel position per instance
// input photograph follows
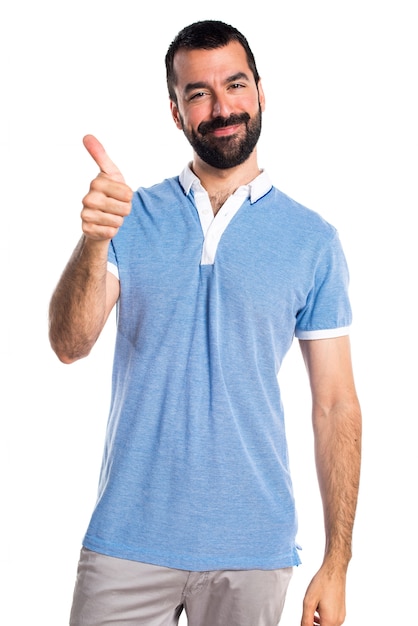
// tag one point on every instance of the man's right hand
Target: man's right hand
(109, 200)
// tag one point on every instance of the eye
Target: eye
(197, 95)
(237, 86)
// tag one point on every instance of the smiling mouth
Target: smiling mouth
(223, 127)
(225, 131)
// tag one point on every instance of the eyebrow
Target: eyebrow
(202, 84)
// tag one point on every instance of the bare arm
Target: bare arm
(86, 291)
(336, 418)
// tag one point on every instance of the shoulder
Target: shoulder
(169, 188)
(294, 220)
(299, 211)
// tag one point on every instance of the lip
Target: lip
(226, 131)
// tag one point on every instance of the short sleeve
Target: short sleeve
(327, 312)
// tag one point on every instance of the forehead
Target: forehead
(208, 65)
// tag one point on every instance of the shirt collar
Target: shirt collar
(256, 189)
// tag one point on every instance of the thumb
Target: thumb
(100, 156)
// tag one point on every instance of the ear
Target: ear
(261, 96)
(176, 115)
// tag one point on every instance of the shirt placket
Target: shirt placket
(212, 226)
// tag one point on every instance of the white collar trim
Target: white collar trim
(256, 189)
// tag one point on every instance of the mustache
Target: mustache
(223, 122)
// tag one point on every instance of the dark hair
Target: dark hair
(205, 35)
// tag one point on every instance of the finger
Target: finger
(96, 218)
(97, 201)
(100, 156)
(111, 188)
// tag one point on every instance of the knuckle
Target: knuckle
(96, 183)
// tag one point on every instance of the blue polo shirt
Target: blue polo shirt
(195, 471)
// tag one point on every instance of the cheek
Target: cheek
(194, 114)
(254, 105)
(191, 120)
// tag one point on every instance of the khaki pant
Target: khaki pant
(112, 592)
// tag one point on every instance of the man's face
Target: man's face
(218, 106)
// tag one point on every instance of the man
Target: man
(213, 274)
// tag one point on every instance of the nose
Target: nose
(220, 106)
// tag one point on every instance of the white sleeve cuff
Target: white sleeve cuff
(327, 333)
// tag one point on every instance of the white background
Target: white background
(340, 136)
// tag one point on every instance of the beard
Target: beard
(225, 152)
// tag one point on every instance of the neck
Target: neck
(220, 184)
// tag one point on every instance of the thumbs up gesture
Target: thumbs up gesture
(108, 201)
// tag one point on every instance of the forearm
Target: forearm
(77, 311)
(337, 453)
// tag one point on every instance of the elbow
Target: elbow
(67, 354)
(66, 358)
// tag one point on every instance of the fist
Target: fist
(109, 199)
